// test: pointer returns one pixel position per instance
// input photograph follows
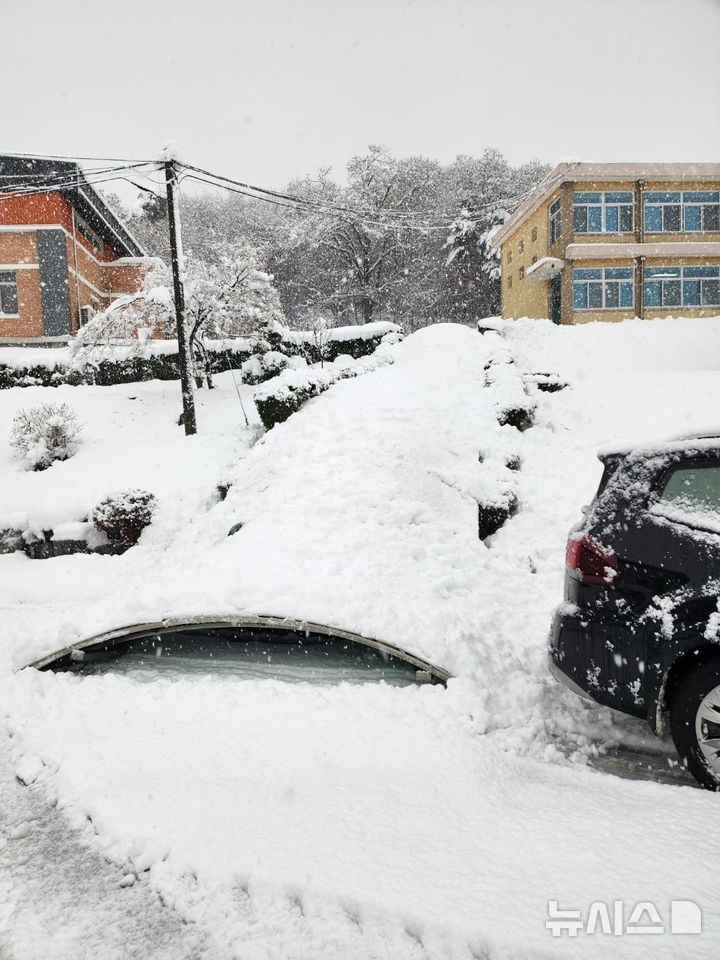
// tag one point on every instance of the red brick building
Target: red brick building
(63, 253)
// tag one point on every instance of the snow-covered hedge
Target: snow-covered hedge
(282, 396)
(263, 366)
(514, 406)
(158, 359)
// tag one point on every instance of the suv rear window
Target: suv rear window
(691, 494)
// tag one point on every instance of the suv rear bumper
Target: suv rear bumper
(564, 679)
(601, 660)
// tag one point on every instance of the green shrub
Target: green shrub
(276, 408)
(122, 517)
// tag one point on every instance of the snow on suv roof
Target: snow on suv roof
(697, 440)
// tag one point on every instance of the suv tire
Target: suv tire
(689, 720)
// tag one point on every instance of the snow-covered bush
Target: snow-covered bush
(520, 417)
(122, 517)
(491, 516)
(514, 407)
(280, 397)
(46, 433)
(262, 366)
(284, 398)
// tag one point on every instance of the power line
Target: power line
(51, 156)
(66, 180)
(376, 218)
(422, 221)
(79, 182)
(342, 208)
(308, 201)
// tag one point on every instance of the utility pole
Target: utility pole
(176, 257)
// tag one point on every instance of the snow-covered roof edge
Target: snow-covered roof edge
(584, 172)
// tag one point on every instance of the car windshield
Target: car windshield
(243, 653)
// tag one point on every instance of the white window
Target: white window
(8, 293)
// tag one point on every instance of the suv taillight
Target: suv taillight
(591, 562)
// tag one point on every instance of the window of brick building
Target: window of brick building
(521, 272)
(509, 282)
(86, 231)
(533, 235)
(509, 256)
(8, 293)
(521, 246)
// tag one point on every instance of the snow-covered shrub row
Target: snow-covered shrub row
(44, 434)
(282, 396)
(281, 400)
(159, 360)
(514, 406)
(263, 366)
(357, 342)
(503, 378)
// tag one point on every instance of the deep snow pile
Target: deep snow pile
(381, 821)
(360, 512)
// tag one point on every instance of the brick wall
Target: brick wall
(95, 276)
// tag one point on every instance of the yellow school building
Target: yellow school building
(605, 241)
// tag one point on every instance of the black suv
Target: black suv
(639, 630)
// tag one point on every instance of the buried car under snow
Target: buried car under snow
(247, 647)
(640, 627)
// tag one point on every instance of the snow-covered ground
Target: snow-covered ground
(130, 438)
(293, 821)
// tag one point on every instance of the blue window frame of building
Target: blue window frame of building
(603, 211)
(682, 211)
(555, 220)
(603, 288)
(681, 287)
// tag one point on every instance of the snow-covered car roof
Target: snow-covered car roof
(699, 440)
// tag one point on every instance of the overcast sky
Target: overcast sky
(267, 89)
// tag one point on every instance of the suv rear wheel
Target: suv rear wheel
(695, 723)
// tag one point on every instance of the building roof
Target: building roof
(577, 172)
(21, 173)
